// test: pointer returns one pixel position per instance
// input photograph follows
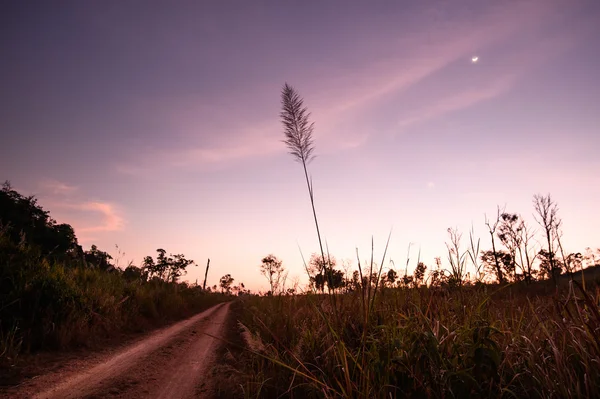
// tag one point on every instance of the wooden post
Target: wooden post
(206, 274)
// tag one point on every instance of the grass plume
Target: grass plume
(298, 131)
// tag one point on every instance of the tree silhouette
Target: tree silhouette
(546, 214)
(98, 259)
(391, 277)
(509, 233)
(501, 261)
(23, 219)
(225, 283)
(167, 268)
(419, 274)
(492, 226)
(550, 267)
(272, 269)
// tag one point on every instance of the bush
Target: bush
(46, 304)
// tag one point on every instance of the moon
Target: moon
(474, 59)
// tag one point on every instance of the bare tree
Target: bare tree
(272, 269)
(492, 229)
(527, 252)
(546, 215)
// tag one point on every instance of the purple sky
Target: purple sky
(155, 124)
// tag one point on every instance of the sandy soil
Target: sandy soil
(173, 362)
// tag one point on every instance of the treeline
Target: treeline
(54, 294)
(520, 252)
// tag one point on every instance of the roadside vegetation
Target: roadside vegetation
(518, 320)
(55, 295)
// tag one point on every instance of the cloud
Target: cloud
(240, 124)
(88, 217)
(426, 48)
(68, 204)
(455, 102)
(110, 219)
(254, 142)
(521, 61)
(56, 187)
(250, 142)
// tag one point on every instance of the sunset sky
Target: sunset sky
(156, 124)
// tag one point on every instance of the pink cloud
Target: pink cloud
(524, 58)
(67, 205)
(260, 140)
(458, 101)
(110, 219)
(56, 187)
(395, 64)
(432, 46)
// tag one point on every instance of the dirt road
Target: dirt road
(173, 362)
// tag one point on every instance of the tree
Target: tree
(272, 269)
(515, 235)
(590, 258)
(166, 268)
(527, 253)
(492, 229)
(317, 264)
(437, 276)
(499, 262)
(98, 259)
(334, 278)
(225, 283)
(550, 267)
(391, 277)
(546, 215)
(133, 273)
(509, 233)
(23, 218)
(574, 261)
(419, 274)
(355, 283)
(322, 272)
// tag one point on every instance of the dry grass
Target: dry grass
(426, 343)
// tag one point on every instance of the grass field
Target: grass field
(476, 341)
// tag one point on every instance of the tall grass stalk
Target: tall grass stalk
(298, 132)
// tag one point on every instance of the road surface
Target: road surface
(173, 362)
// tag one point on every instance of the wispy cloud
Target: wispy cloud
(396, 59)
(500, 80)
(431, 46)
(109, 220)
(249, 142)
(458, 101)
(68, 204)
(56, 187)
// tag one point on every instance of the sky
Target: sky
(148, 124)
